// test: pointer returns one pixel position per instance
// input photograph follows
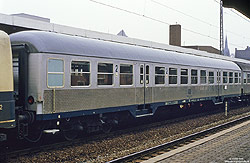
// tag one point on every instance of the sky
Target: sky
(143, 19)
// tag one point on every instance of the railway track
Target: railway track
(13, 153)
(13, 156)
(166, 147)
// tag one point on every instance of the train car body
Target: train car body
(7, 102)
(7, 107)
(60, 77)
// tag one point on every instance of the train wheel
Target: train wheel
(106, 127)
(69, 132)
(34, 134)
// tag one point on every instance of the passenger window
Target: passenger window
(225, 77)
(239, 77)
(230, 77)
(126, 74)
(236, 76)
(105, 74)
(147, 74)
(184, 76)
(159, 75)
(55, 73)
(141, 74)
(80, 73)
(211, 77)
(244, 77)
(248, 78)
(194, 76)
(172, 75)
(203, 76)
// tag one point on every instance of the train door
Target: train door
(219, 86)
(146, 89)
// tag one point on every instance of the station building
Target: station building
(243, 54)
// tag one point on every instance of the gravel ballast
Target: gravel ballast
(122, 144)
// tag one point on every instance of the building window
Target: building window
(184, 76)
(105, 74)
(172, 75)
(194, 77)
(159, 75)
(211, 77)
(244, 77)
(126, 74)
(203, 76)
(231, 77)
(225, 77)
(55, 73)
(80, 73)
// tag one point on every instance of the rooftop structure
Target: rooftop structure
(175, 35)
(209, 49)
(243, 54)
(32, 17)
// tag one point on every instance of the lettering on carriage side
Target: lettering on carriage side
(116, 70)
(1, 107)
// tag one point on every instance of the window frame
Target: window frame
(240, 74)
(232, 77)
(83, 72)
(244, 77)
(141, 74)
(248, 79)
(209, 77)
(194, 76)
(162, 75)
(47, 72)
(225, 77)
(172, 76)
(218, 77)
(131, 64)
(147, 74)
(113, 74)
(184, 68)
(201, 77)
(236, 77)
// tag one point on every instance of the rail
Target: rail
(149, 151)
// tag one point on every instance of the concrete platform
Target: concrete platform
(228, 146)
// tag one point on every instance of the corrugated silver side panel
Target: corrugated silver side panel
(87, 99)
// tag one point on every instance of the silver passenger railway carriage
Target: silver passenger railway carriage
(72, 83)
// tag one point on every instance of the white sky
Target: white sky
(199, 18)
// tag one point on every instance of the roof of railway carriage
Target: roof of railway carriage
(49, 42)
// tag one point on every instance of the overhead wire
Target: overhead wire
(236, 13)
(156, 20)
(200, 20)
(240, 15)
(195, 18)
